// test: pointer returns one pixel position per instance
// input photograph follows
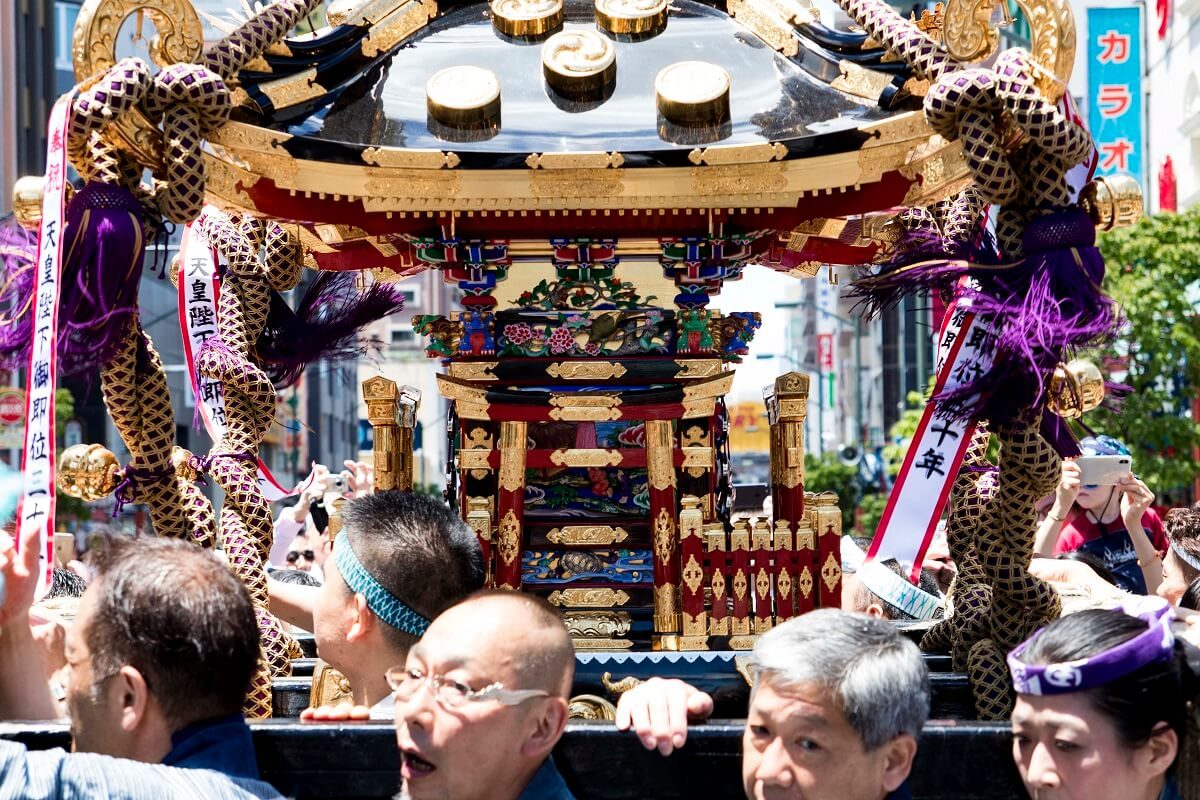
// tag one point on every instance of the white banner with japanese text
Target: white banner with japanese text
(937, 449)
(199, 296)
(35, 510)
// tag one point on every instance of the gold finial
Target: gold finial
(693, 93)
(579, 63)
(930, 22)
(637, 19)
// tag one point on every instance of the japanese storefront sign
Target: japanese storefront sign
(199, 294)
(965, 346)
(1115, 99)
(36, 509)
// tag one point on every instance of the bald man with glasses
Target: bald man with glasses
(481, 701)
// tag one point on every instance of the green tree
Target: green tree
(1153, 272)
(828, 474)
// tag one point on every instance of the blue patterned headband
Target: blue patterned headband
(383, 604)
(912, 600)
(1186, 557)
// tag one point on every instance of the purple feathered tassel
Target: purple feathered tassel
(102, 269)
(1041, 308)
(920, 262)
(18, 251)
(325, 326)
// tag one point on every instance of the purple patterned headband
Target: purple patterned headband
(1156, 644)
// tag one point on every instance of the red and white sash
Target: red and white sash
(937, 449)
(35, 511)
(199, 294)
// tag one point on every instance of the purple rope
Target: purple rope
(126, 491)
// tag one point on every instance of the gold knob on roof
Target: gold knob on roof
(693, 93)
(464, 97)
(527, 19)
(579, 63)
(637, 19)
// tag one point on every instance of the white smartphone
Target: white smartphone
(1103, 470)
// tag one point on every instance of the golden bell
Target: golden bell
(1113, 201)
(1075, 389)
(181, 459)
(27, 201)
(87, 471)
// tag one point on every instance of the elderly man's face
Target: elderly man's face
(799, 745)
(472, 751)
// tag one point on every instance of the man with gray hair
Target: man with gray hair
(838, 702)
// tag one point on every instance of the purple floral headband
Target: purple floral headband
(1156, 644)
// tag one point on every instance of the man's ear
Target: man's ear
(546, 727)
(133, 695)
(899, 754)
(362, 619)
(875, 610)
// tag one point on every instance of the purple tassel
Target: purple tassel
(325, 326)
(1042, 308)
(921, 262)
(103, 247)
(1057, 432)
(18, 251)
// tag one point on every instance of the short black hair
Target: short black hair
(181, 618)
(1092, 560)
(296, 576)
(418, 548)
(1191, 597)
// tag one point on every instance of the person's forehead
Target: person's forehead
(461, 637)
(1070, 711)
(801, 704)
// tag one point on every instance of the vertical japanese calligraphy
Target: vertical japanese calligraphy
(965, 347)
(199, 293)
(35, 513)
(1115, 100)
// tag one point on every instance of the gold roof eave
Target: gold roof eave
(724, 176)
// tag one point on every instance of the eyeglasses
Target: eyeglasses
(454, 694)
(294, 556)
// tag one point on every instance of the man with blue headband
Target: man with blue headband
(399, 560)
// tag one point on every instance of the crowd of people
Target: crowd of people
(152, 659)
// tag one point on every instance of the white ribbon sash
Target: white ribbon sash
(199, 293)
(937, 449)
(35, 510)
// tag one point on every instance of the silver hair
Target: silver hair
(877, 675)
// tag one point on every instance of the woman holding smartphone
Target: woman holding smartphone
(1115, 523)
